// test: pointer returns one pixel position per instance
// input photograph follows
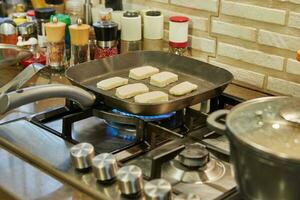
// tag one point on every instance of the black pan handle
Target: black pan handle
(213, 121)
(24, 96)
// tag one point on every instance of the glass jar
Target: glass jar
(43, 16)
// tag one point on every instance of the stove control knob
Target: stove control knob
(158, 189)
(194, 156)
(130, 179)
(105, 167)
(82, 155)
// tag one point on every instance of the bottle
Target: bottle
(80, 51)
(178, 34)
(55, 33)
(87, 12)
(8, 32)
(106, 39)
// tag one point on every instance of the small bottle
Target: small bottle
(55, 33)
(178, 34)
(80, 51)
(43, 16)
(107, 39)
(8, 32)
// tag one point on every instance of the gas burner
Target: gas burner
(123, 131)
(149, 118)
(193, 165)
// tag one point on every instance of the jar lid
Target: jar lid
(131, 14)
(106, 31)
(44, 13)
(79, 33)
(30, 13)
(179, 19)
(55, 2)
(154, 13)
(55, 30)
(265, 125)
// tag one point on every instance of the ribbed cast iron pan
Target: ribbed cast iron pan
(211, 80)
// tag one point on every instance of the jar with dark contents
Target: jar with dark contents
(107, 39)
(80, 51)
(55, 33)
(42, 16)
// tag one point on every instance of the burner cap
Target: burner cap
(194, 156)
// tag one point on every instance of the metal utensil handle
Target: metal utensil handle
(18, 98)
(213, 124)
(22, 78)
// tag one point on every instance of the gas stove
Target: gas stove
(137, 157)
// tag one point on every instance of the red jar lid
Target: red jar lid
(179, 19)
(30, 13)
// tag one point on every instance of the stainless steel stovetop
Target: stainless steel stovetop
(179, 149)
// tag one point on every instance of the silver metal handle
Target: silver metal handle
(24, 96)
(213, 124)
(22, 78)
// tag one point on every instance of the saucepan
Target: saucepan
(264, 136)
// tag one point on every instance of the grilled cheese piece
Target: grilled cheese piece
(141, 73)
(183, 88)
(111, 83)
(131, 90)
(163, 79)
(152, 97)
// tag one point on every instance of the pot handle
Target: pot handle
(24, 96)
(22, 78)
(214, 124)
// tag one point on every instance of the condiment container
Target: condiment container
(55, 33)
(27, 30)
(43, 16)
(30, 16)
(153, 31)
(131, 33)
(8, 32)
(178, 34)
(107, 39)
(80, 51)
(58, 5)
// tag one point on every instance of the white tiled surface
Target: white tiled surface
(294, 20)
(293, 67)
(283, 86)
(253, 12)
(203, 44)
(208, 5)
(250, 56)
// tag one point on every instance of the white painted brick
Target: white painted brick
(295, 1)
(253, 12)
(234, 30)
(283, 86)
(161, 1)
(208, 5)
(279, 40)
(294, 20)
(293, 67)
(203, 44)
(198, 23)
(251, 56)
(246, 76)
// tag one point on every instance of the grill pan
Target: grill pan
(211, 80)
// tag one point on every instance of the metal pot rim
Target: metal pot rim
(263, 151)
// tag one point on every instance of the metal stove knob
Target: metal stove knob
(130, 179)
(158, 189)
(105, 166)
(194, 156)
(82, 155)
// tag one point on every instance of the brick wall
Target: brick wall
(254, 39)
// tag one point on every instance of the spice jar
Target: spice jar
(8, 32)
(131, 33)
(30, 16)
(58, 5)
(43, 16)
(27, 30)
(178, 34)
(80, 51)
(55, 33)
(107, 39)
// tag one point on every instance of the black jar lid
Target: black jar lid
(106, 31)
(131, 14)
(44, 13)
(154, 13)
(55, 2)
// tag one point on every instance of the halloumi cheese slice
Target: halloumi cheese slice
(152, 97)
(131, 90)
(163, 79)
(111, 83)
(144, 72)
(183, 88)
